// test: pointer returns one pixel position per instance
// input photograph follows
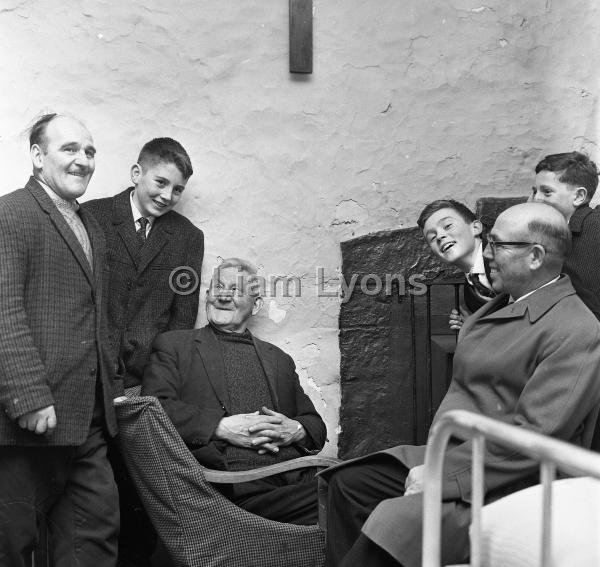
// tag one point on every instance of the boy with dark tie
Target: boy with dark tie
(453, 233)
(154, 257)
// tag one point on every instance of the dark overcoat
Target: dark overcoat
(186, 373)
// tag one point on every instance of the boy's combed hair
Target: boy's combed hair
(166, 150)
(467, 214)
(576, 169)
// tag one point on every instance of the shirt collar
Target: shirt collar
(479, 268)
(136, 214)
(536, 289)
(57, 199)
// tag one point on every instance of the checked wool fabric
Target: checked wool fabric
(197, 524)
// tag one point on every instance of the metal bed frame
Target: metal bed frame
(552, 454)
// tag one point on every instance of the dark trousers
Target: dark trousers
(74, 489)
(365, 553)
(288, 497)
(137, 538)
(354, 492)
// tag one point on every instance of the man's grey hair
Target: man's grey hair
(243, 265)
(253, 281)
(555, 237)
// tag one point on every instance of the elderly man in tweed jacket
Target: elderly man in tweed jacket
(55, 393)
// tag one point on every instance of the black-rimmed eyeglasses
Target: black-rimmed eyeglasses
(495, 244)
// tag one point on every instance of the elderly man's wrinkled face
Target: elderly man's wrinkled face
(231, 300)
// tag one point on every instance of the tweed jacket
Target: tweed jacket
(186, 373)
(583, 264)
(141, 300)
(50, 320)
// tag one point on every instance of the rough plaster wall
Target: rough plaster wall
(409, 101)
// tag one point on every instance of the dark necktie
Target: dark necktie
(480, 288)
(141, 232)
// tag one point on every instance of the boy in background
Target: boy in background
(146, 240)
(568, 182)
(154, 257)
(454, 236)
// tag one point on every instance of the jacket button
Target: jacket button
(93, 372)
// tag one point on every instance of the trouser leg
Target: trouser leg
(84, 522)
(365, 553)
(296, 504)
(30, 482)
(137, 536)
(354, 492)
(289, 497)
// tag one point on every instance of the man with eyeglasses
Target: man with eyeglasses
(530, 357)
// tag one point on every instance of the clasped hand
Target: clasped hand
(264, 432)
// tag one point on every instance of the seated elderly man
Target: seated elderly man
(236, 400)
(530, 357)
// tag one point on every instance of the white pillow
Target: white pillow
(512, 526)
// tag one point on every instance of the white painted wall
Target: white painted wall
(409, 101)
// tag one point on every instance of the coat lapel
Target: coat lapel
(535, 305)
(124, 224)
(269, 364)
(157, 238)
(98, 245)
(62, 227)
(209, 352)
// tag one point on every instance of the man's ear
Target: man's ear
(579, 196)
(37, 156)
(136, 173)
(476, 227)
(258, 305)
(538, 253)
